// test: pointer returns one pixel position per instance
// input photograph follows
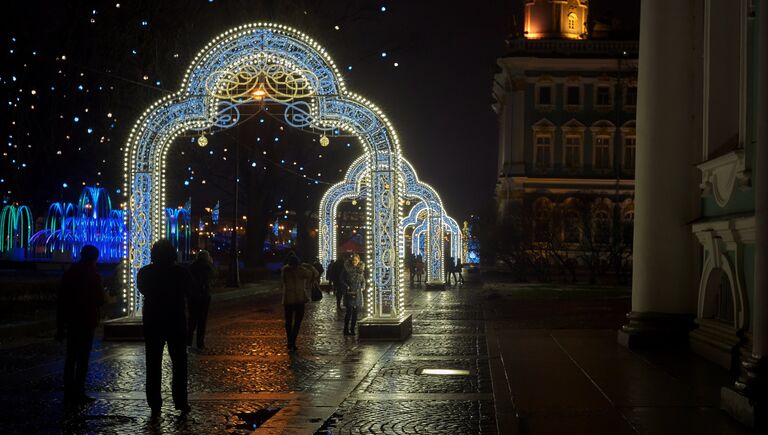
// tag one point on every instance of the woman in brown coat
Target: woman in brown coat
(295, 278)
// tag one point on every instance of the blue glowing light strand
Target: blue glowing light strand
(69, 227)
(192, 108)
(357, 175)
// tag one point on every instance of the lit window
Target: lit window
(602, 152)
(601, 224)
(572, 227)
(629, 152)
(572, 22)
(543, 152)
(572, 158)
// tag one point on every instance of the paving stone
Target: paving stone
(245, 376)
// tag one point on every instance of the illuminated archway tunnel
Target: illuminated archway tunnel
(256, 63)
(356, 186)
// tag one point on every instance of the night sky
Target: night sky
(75, 75)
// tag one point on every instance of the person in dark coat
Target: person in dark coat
(296, 278)
(334, 275)
(460, 270)
(203, 272)
(352, 280)
(329, 273)
(166, 287)
(80, 298)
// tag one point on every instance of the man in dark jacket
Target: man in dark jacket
(80, 297)
(334, 276)
(166, 287)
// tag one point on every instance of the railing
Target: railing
(575, 46)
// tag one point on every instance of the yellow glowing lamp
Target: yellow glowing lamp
(324, 141)
(354, 202)
(202, 140)
(259, 93)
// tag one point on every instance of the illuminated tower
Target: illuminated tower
(565, 19)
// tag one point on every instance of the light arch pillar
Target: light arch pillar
(258, 49)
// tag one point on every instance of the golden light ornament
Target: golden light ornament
(202, 141)
(354, 202)
(324, 141)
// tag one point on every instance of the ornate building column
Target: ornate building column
(666, 189)
(746, 400)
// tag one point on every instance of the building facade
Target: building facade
(567, 138)
(701, 226)
(688, 171)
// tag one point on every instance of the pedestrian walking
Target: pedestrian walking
(204, 273)
(460, 269)
(329, 273)
(410, 264)
(80, 298)
(318, 267)
(419, 269)
(352, 280)
(296, 278)
(167, 288)
(450, 271)
(334, 273)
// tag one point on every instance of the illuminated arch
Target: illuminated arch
(355, 185)
(416, 218)
(268, 54)
(15, 227)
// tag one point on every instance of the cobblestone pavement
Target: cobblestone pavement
(244, 380)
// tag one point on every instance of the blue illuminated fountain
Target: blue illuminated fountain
(178, 229)
(92, 221)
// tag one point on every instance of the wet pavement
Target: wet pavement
(245, 380)
(530, 359)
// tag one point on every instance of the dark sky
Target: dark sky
(438, 97)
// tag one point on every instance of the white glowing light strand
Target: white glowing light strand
(409, 188)
(159, 125)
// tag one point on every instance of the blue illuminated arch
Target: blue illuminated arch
(330, 105)
(354, 186)
(415, 217)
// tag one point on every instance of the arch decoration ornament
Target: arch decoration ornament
(356, 185)
(250, 64)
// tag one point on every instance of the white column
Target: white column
(666, 192)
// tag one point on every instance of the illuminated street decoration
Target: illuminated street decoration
(355, 186)
(92, 221)
(417, 217)
(178, 229)
(252, 64)
(15, 228)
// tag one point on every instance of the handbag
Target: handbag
(317, 294)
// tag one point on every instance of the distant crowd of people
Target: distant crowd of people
(415, 265)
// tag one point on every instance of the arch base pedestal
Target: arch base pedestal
(385, 329)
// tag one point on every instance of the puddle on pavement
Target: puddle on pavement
(253, 420)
